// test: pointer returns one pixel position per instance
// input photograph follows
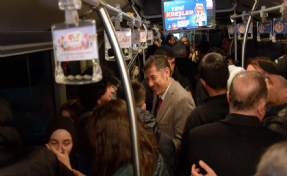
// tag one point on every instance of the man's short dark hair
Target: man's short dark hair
(89, 94)
(246, 90)
(169, 37)
(179, 49)
(159, 61)
(139, 93)
(166, 51)
(203, 47)
(213, 69)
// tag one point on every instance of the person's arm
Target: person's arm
(182, 111)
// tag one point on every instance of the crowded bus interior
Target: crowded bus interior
(143, 88)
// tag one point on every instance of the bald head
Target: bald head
(247, 91)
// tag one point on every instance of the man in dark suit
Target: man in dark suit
(214, 74)
(234, 145)
(172, 104)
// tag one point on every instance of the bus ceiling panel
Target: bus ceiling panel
(39, 15)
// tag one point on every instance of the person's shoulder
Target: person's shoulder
(207, 129)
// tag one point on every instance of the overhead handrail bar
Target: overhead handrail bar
(271, 9)
(112, 10)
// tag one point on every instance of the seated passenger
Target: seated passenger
(16, 160)
(167, 147)
(234, 145)
(71, 109)
(111, 138)
(276, 79)
(214, 74)
(172, 104)
(90, 96)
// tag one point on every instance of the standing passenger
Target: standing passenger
(90, 96)
(214, 74)
(276, 79)
(111, 138)
(234, 145)
(172, 104)
(71, 109)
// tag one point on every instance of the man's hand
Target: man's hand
(63, 157)
(195, 171)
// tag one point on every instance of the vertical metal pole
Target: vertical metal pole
(246, 33)
(106, 20)
(235, 40)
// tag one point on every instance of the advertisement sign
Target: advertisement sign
(124, 38)
(188, 14)
(75, 44)
(143, 36)
(232, 29)
(280, 27)
(136, 38)
(150, 35)
(264, 28)
(241, 28)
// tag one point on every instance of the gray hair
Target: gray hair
(159, 61)
(274, 161)
(179, 49)
(246, 91)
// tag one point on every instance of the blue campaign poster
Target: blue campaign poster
(264, 28)
(185, 14)
(280, 27)
(242, 27)
(232, 29)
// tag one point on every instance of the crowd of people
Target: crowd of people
(207, 117)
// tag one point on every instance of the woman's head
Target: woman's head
(60, 134)
(71, 109)
(253, 65)
(110, 136)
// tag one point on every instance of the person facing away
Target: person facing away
(16, 160)
(167, 147)
(276, 80)
(272, 163)
(111, 138)
(185, 66)
(234, 145)
(71, 109)
(151, 49)
(172, 104)
(214, 74)
(170, 40)
(91, 95)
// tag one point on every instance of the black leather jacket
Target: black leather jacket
(277, 122)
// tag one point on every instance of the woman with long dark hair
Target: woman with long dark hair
(110, 136)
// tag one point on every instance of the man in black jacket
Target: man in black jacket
(276, 80)
(214, 74)
(16, 160)
(234, 145)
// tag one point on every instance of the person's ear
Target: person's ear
(203, 83)
(228, 97)
(262, 109)
(167, 72)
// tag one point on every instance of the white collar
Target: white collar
(164, 94)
